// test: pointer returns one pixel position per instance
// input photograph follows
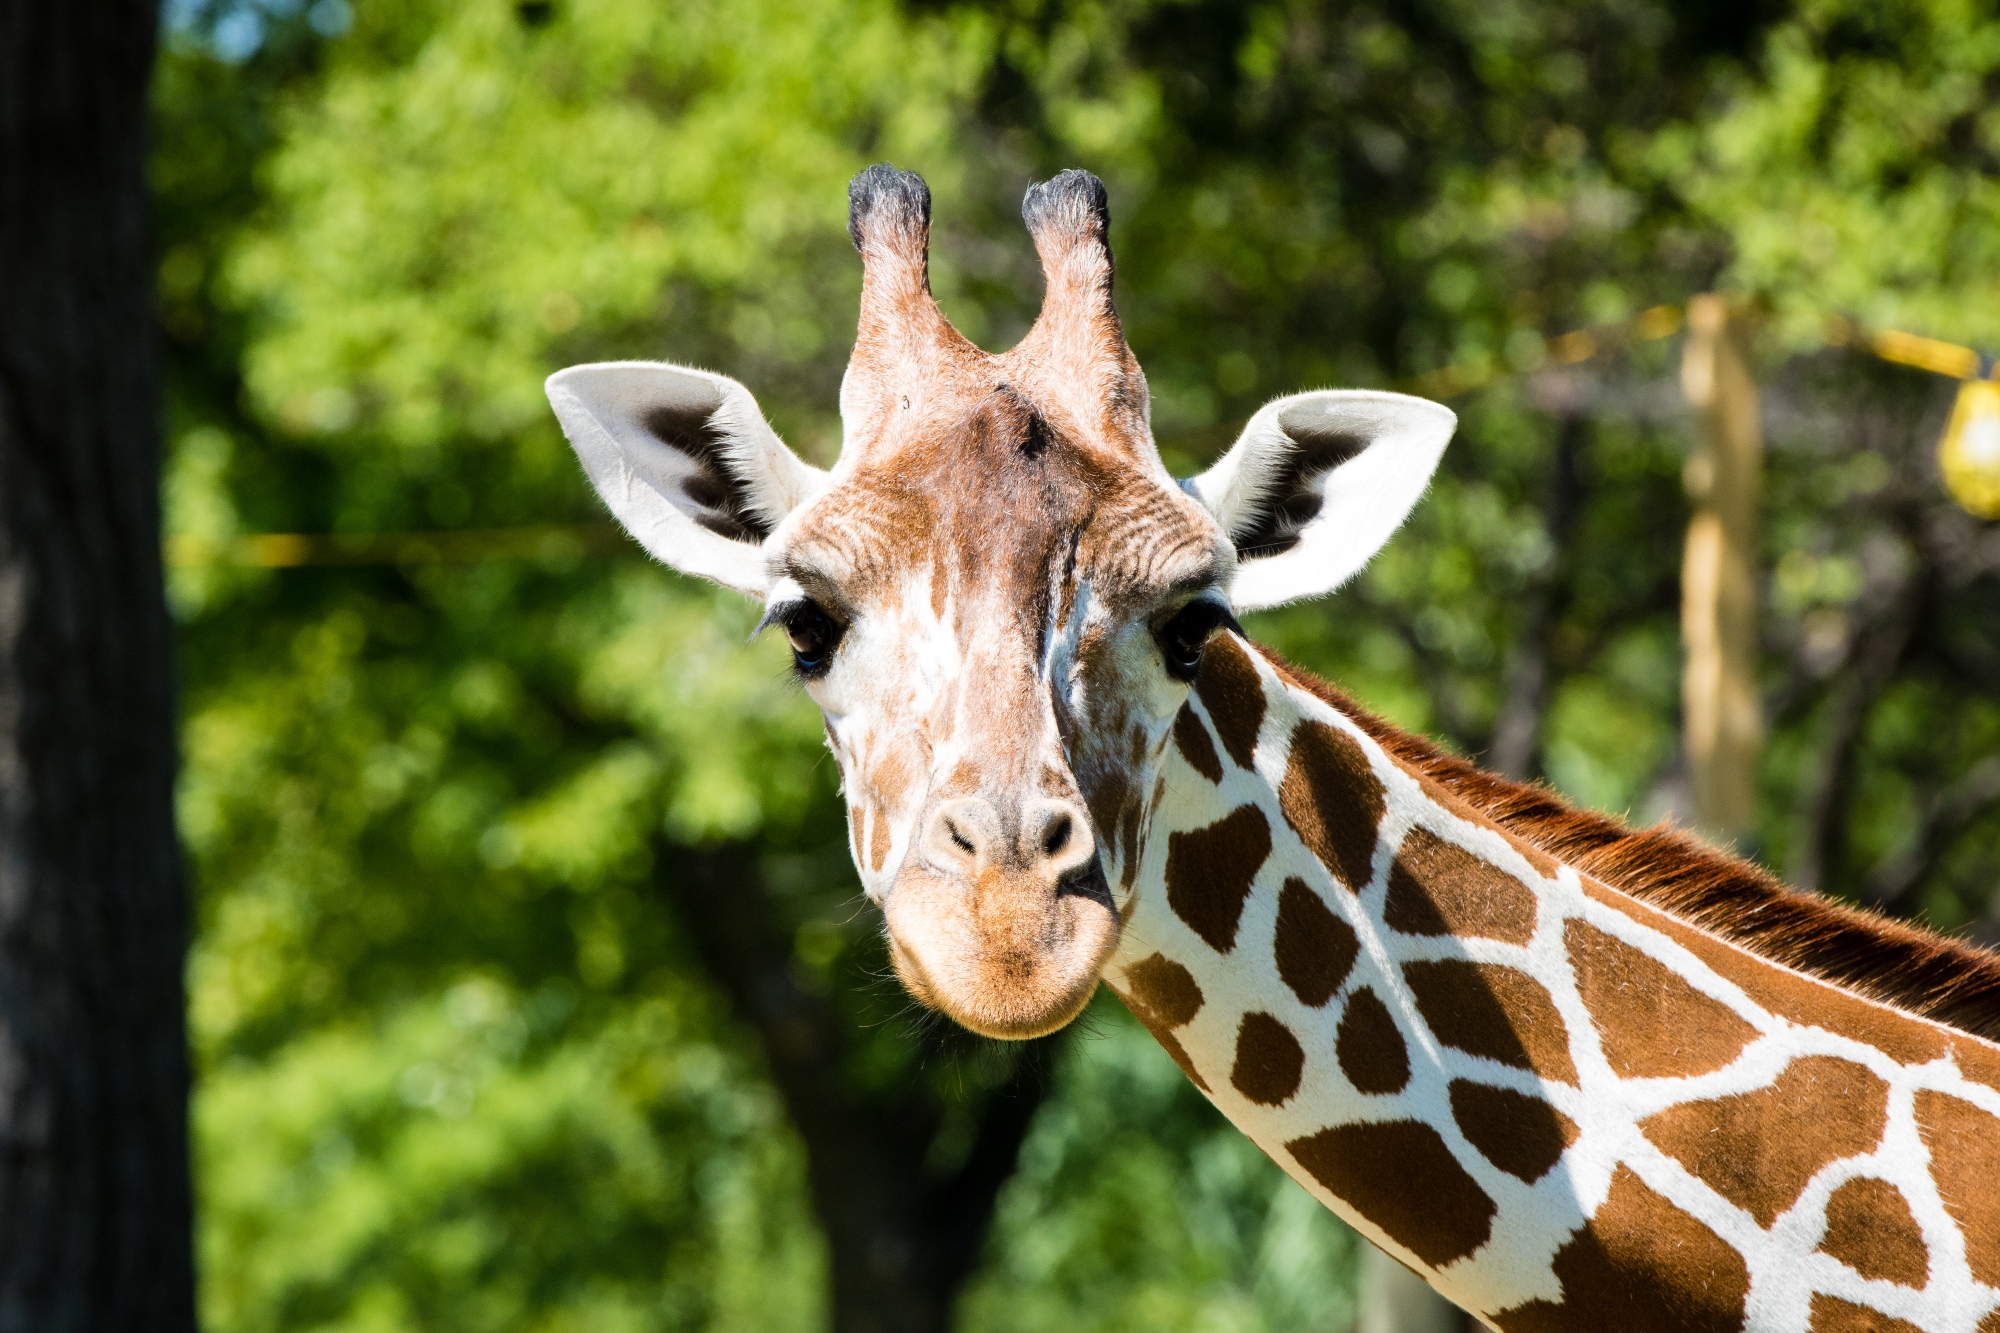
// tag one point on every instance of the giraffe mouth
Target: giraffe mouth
(1005, 956)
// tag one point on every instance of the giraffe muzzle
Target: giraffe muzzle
(1048, 838)
(1003, 920)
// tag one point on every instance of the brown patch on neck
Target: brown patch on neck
(1314, 949)
(1439, 888)
(1209, 871)
(1830, 1314)
(1909, 969)
(1522, 1135)
(1163, 995)
(1269, 1060)
(1333, 801)
(1651, 1022)
(1495, 1011)
(1964, 1143)
(1166, 989)
(1233, 693)
(1428, 1204)
(1759, 1149)
(1195, 746)
(1640, 1265)
(1869, 1228)
(1368, 1046)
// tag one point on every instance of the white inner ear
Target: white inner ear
(686, 462)
(1360, 502)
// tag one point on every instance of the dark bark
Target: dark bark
(94, 1195)
(902, 1236)
(1893, 885)
(1880, 645)
(1515, 750)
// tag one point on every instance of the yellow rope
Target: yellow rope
(1568, 349)
(287, 550)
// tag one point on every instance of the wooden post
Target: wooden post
(1719, 695)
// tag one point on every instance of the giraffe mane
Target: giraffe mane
(1913, 970)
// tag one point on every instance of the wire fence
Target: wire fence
(291, 550)
(555, 542)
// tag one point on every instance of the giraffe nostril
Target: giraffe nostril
(961, 835)
(1041, 839)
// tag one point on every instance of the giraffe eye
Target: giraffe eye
(814, 635)
(1181, 639)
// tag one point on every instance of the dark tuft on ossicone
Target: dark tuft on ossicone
(884, 195)
(1073, 202)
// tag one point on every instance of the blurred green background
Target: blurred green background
(532, 987)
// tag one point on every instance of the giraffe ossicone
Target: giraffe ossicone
(1577, 1077)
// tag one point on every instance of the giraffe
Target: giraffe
(1573, 1075)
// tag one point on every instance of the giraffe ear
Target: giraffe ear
(686, 462)
(1316, 484)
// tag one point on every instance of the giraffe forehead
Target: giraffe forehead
(1002, 508)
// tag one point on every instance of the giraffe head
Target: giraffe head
(998, 596)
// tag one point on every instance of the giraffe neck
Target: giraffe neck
(1563, 1107)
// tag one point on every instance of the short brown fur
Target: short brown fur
(1313, 948)
(1869, 1228)
(1269, 1060)
(1439, 888)
(1494, 1011)
(1370, 1049)
(1652, 1024)
(1830, 1314)
(1640, 1265)
(1965, 1161)
(1522, 1135)
(1430, 1205)
(1745, 1147)
(1209, 872)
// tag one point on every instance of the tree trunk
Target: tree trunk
(95, 1218)
(1516, 748)
(902, 1235)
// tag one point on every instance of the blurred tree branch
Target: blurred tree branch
(902, 1233)
(1893, 883)
(1880, 645)
(1912, 623)
(1515, 749)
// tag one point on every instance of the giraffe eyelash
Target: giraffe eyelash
(814, 634)
(1182, 636)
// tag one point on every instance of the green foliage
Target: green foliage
(486, 1159)
(448, 226)
(1130, 1212)
(1857, 168)
(460, 1066)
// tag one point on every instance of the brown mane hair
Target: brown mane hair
(1912, 970)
